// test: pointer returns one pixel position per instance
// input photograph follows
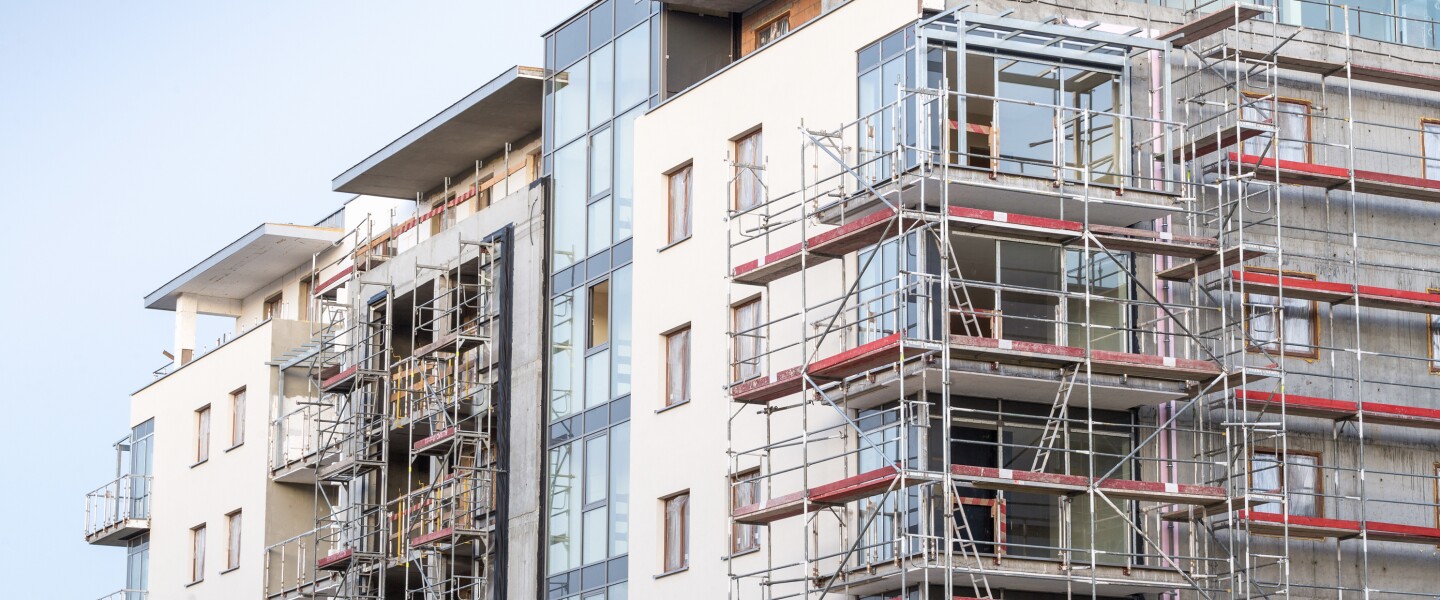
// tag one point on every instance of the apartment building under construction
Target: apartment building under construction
(863, 299)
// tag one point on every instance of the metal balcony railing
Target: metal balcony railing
(124, 499)
(127, 595)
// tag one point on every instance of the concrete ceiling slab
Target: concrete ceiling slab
(256, 259)
(477, 127)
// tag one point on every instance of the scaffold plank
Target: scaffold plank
(1366, 182)
(1358, 72)
(1368, 296)
(1326, 408)
(1205, 145)
(870, 229)
(1210, 24)
(1214, 262)
(1273, 523)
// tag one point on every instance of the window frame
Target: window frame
(1425, 158)
(688, 169)
(747, 477)
(234, 527)
(197, 553)
(758, 133)
(688, 365)
(684, 532)
(1309, 123)
(1432, 328)
(203, 421)
(1278, 342)
(766, 26)
(737, 374)
(1282, 458)
(272, 305)
(237, 417)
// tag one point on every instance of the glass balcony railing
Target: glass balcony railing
(116, 503)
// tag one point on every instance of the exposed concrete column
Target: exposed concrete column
(186, 308)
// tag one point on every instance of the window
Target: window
(232, 540)
(271, 309)
(772, 31)
(237, 417)
(1298, 475)
(749, 166)
(746, 356)
(1434, 338)
(599, 314)
(1430, 147)
(680, 187)
(1298, 335)
(677, 531)
(677, 367)
(1292, 126)
(197, 553)
(745, 490)
(302, 305)
(202, 435)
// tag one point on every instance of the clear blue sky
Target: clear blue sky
(138, 137)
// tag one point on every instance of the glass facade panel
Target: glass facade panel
(569, 214)
(632, 67)
(588, 154)
(620, 489)
(567, 336)
(564, 505)
(620, 338)
(625, 173)
(571, 92)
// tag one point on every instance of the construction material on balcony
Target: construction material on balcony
(1374, 413)
(1367, 296)
(1330, 177)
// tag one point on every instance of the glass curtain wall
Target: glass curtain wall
(601, 77)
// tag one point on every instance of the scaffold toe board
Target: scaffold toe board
(1271, 523)
(1357, 72)
(1368, 296)
(1104, 361)
(338, 561)
(1326, 408)
(1064, 485)
(849, 489)
(342, 380)
(1326, 176)
(822, 247)
(850, 362)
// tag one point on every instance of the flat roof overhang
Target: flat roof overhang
(256, 259)
(478, 126)
(719, 6)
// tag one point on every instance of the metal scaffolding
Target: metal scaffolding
(402, 376)
(1091, 415)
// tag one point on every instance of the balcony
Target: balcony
(291, 568)
(295, 437)
(118, 511)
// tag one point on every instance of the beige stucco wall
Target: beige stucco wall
(806, 77)
(186, 494)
